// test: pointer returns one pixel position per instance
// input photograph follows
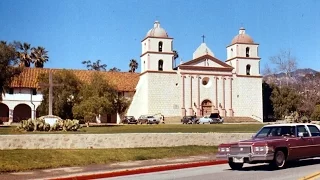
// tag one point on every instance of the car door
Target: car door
(301, 147)
(315, 135)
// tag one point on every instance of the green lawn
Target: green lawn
(161, 128)
(22, 160)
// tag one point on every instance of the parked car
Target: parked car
(189, 120)
(275, 144)
(148, 119)
(129, 120)
(212, 119)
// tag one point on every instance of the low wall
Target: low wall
(127, 140)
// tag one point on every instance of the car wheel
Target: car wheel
(235, 166)
(279, 160)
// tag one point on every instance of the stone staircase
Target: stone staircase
(177, 119)
(240, 120)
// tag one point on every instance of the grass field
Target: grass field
(161, 128)
(23, 160)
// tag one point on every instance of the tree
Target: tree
(284, 63)
(95, 65)
(316, 113)
(114, 69)
(285, 100)
(133, 65)
(64, 96)
(95, 98)
(99, 97)
(39, 56)
(24, 54)
(309, 88)
(267, 103)
(8, 66)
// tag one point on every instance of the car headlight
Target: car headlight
(263, 149)
(224, 149)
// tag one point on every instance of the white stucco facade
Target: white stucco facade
(201, 85)
(22, 96)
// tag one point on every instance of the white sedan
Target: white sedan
(213, 118)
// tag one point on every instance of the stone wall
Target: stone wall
(104, 141)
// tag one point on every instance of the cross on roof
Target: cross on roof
(203, 38)
(51, 85)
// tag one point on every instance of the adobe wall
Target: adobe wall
(104, 141)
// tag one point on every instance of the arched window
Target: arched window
(160, 65)
(247, 52)
(248, 69)
(160, 46)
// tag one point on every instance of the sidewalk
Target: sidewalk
(102, 169)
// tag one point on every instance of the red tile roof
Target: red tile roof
(123, 81)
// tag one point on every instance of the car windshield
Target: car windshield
(274, 131)
(150, 116)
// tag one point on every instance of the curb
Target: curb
(142, 170)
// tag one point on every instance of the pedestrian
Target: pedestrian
(163, 119)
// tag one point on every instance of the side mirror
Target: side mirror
(253, 135)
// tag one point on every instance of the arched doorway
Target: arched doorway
(206, 107)
(21, 112)
(4, 112)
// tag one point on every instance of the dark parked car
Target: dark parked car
(189, 120)
(129, 120)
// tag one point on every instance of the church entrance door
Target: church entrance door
(206, 107)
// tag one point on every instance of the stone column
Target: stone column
(183, 109)
(230, 105)
(33, 113)
(199, 106)
(191, 113)
(223, 97)
(216, 94)
(10, 116)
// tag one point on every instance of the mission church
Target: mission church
(196, 87)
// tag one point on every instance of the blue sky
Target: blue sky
(112, 30)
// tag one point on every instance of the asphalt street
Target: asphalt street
(295, 171)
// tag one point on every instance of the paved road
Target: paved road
(223, 172)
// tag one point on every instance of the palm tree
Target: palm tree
(95, 65)
(24, 54)
(133, 65)
(39, 56)
(114, 69)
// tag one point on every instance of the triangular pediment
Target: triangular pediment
(207, 62)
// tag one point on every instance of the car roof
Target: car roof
(289, 124)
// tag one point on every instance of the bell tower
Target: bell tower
(242, 54)
(157, 51)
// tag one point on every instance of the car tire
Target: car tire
(235, 166)
(279, 160)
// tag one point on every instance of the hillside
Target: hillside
(295, 76)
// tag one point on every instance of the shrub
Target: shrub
(315, 116)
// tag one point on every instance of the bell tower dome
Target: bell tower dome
(157, 51)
